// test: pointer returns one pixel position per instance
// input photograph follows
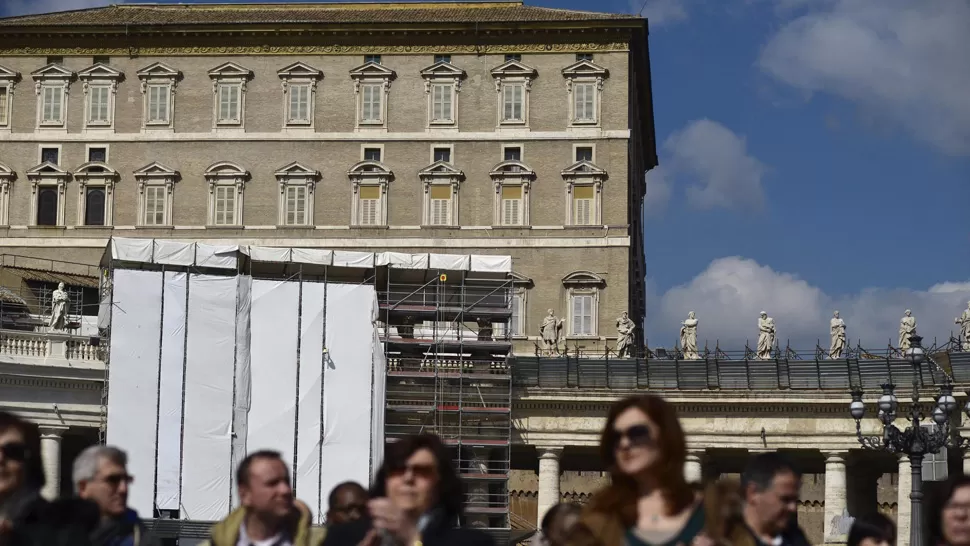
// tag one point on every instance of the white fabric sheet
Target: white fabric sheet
(169, 462)
(210, 352)
(132, 250)
(133, 376)
(491, 264)
(316, 256)
(450, 262)
(174, 253)
(269, 254)
(218, 256)
(242, 397)
(401, 260)
(347, 385)
(311, 395)
(350, 258)
(274, 319)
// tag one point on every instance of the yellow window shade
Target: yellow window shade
(441, 192)
(583, 192)
(511, 192)
(370, 192)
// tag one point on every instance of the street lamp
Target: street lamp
(916, 441)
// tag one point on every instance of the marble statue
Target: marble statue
(59, 301)
(837, 329)
(688, 337)
(624, 334)
(907, 329)
(766, 336)
(964, 322)
(550, 329)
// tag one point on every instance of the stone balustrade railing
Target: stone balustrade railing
(32, 346)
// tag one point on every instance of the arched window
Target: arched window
(227, 182)
(48, 183)
(583, 295)
(369, 180)
(512, 180)
(96, 182)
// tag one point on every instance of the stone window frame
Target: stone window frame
(440, 174)
(158, 74)
(443, 73)
(95, 174)
(511, 173)
(7, 177)
(8, 81)
(583, 283)
(230, 73)
(296, 174)
(100, 76)
(513, 72)
(156, 174)
(56, 76)
(226, 174)
(48, 175)
(371, 73)
(585, 72)
(584, 174)
(295, 74)
(369, 174)
(520, 292)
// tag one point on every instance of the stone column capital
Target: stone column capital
(550, 452)
(52, 432)
(696, 454)
(835, 457)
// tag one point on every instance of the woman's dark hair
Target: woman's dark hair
(875, 526)
(449, 490)
(620, 496)
(34, 468)
(556, 514)
(936, 501)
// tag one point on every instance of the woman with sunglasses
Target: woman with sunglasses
(648, 503)
(415, 501)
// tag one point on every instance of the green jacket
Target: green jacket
(226, 532)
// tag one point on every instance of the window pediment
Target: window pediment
(585, 69)
(370, 170)
(512, 169)
(52, 72)
(514, 69)
(441, 170)
(584, 169)
(226, 171)
(231, 71)
(100, 72)
(156, 171)
(7, 174)
(95, 169)
(372, 71)
(9, 76)
(159, 71)
(47, 170)
(583, 278)
(520, 280)
(301, 71)
(443, 70)
(297, 170)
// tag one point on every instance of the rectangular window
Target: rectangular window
(50, 154)
(299, 108)
(440, 205)
(295, 205)
(512, 94)
(584, 56)
(517, 57)
(935, 465)
(52, 104)
(158, 99)
(101, 59)
(98, 104)
(584, 153)
(442, 58)
(372, 154)
(441, 95)
(229, 96)
(512, 153)
(583, 197)
(225, 213)
(372, 59)
(511, 205)
(98, 154)
(515, 322)
(442, 154)
(369, 198)
(583, 96)
(55, 59)
(154, 206)
(47, 206)
(370, 102)
(4, 97)
(94, 203)
(582, 308)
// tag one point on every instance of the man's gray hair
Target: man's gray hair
(87, 464)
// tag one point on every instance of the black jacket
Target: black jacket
(435, 534)
(64, 522)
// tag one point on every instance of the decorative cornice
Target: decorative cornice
(580, 408)
(47, 383)
(319, 49)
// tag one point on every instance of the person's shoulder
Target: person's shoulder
(471, 537)
(351, 532)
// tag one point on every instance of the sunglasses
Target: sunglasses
(638, 435)
(15, 451)
(424, 471)
(114, 480)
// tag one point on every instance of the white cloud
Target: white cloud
(717, 161)
(898, 60)
(729, 294)
(661, 12)
(29, 7)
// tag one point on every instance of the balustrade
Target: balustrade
(16, 344)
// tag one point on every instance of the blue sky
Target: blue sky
(815, 155)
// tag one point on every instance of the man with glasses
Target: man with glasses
(100, 475)
(348, 502)
(770, 485)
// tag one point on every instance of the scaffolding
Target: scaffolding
(446, 340)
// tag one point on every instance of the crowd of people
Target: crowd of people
(416, 499)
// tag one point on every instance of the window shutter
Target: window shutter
(577, 314)
(368, 201)
(99, 104)
(588, 102)
(583, 199)
(3, 105)
(154, 206)
(447, 94)
(516, 315)
(158, 103)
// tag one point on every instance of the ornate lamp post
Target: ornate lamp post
(915, 441)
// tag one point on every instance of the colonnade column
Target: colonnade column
(549, 493)
(50, 457)
(835, 499)
(904, 514)
(693, 469)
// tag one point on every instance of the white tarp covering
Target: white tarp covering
(316, 256)
(174, 253)
(207, 436)
(133, 403)
(450, 262)
(351, 258)
(402, 260)
(346, 412)
(491, 264)
(270, 254)
(312, 359)
(274, 324)
(169, 460)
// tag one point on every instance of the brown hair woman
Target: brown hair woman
(648, 503)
